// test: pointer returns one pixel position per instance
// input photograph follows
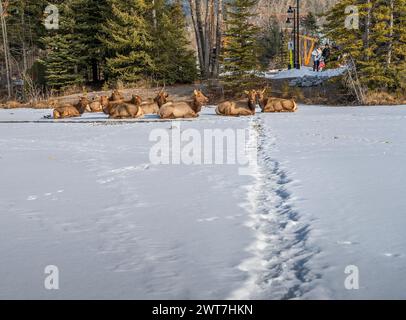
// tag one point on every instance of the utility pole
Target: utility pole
(297, 35)
(5, 45)
(294, 39)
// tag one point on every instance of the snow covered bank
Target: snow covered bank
(327, 192)
(305, 72)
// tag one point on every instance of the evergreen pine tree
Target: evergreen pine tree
(309, 24)
(128, 41)
(398, 61)
(173, 60)
(378, 46)
(270, 44)
(240, 56)
(89, 17)
(62, 58)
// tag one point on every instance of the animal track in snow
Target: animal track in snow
(47, 195)
(277, 268)
(208, 219)
(346, 243)
(120, 173)
(392, 255)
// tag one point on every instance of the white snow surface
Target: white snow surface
(326, 192)
(305, 72)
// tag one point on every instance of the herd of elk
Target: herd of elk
(116, 107)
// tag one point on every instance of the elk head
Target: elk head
(136, 99)
(261, 99)
(116, 96)
(82, 105)
(200, 97)
(104, 101)
(161, 98)
(199, 100)
(252, 99)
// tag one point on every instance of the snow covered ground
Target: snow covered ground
(304, 72)
(326, 192)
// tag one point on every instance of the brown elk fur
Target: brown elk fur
(116, 96)
(270, 104)
(183, 109)
(115, 99)
(69, 111)
(104, 101)
(149, 108)
(125, 109)
(152, 107)
(95, 105)
(108, 104)
(239, 108)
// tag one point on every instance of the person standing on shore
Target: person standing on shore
(314, 57)
(326, 54)
(316, 54)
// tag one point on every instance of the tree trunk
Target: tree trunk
(208, 36)
(202, 37)
(6, 48)
(219, 34)
(95, 70)
(193, 11)
(390, 42)
(24, 49)
(367, 25)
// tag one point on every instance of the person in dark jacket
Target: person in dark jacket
(326, 53)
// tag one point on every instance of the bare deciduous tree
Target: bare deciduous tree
(5, 45)
(208, 33)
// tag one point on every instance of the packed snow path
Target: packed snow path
(326, 192)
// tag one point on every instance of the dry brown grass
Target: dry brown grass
(12, 104)
(384, 98)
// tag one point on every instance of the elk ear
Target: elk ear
(246, 92)
(166, 95)
(195, 92)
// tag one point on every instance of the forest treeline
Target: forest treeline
(100, 40)
(372, 34)
(105, 42)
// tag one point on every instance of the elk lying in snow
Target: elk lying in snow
(239, 108)
(116, 96)
(269, 104)
(125, 109)
(115, 99)
(95, 105)
(153, 106)
(183, 109)
(69, 111)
